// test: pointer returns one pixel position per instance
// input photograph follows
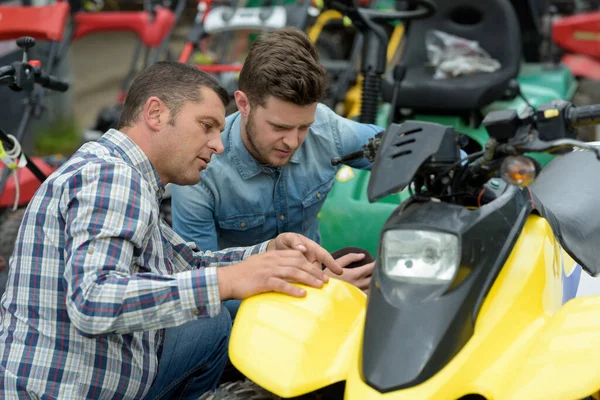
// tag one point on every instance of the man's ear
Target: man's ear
(155, 113)
(242, 102)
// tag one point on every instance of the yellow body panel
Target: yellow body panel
(526, 344)
(293, 345)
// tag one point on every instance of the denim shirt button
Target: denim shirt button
(282, 217)
(243, 224)
(318, 195)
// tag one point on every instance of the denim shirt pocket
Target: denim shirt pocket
(312, 203)
(243, 230)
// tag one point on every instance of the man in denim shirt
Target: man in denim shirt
(275, 172)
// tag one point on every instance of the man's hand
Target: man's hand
(359, 276)
(270, 272)
(311, 250)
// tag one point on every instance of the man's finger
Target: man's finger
(281, 286)
(364, 283)
(298, 275)
(349, 258)
(289, 254)
(313, 252)
(367, 269)
(323, 256)
(293, 241)
(302, 264)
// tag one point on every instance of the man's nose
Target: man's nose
(217, 145)
(291, 140)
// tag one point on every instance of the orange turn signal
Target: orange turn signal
(518, 170)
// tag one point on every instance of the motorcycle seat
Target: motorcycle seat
(493, 24)
(566, 194)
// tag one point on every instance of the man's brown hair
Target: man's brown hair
(285, 65)
(172, 82)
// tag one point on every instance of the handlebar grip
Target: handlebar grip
(348, 157)
(7, 70)
(51, 82)
(584, 115)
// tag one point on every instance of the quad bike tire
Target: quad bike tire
(10, 221)
(248, 390)
(239, 390)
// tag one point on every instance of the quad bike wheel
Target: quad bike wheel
(239, 390)
(248, 390)
(10, 221)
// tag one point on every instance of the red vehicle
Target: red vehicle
(579, 36)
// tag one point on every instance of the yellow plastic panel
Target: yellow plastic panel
(292, 346)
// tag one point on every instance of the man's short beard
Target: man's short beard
(251, 134)
(255, 150)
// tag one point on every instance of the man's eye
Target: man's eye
(205, 126)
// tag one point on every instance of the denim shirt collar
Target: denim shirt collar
(245, 163)
(131, 153)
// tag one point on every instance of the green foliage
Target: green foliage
(59, 137)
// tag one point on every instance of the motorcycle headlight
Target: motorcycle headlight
(422, 263)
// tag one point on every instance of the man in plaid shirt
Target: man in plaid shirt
(98, 282)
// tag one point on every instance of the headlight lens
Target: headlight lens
(425, 260)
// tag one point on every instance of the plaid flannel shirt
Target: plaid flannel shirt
(95, 278)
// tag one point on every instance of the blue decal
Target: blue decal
(570, 283)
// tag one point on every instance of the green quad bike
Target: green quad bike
(347, 218)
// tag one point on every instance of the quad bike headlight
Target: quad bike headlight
(421, 263)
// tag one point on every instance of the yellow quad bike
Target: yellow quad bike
(473, 294)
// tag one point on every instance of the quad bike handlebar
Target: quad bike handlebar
(428, 154)
(369, 151)
(550, 129)
(585, 115)
(416, 9)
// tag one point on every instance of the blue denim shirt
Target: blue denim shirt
(240, 202)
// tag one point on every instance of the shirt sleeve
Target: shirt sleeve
(108, 218)
(186, 254)
(192, 212)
